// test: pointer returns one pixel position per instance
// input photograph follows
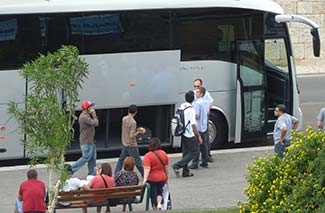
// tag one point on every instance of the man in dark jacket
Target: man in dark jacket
(87, 121)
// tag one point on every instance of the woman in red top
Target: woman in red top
(103, 179)
(155, 164)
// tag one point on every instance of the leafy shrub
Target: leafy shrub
(295, 183)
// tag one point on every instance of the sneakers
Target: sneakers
(193, 166)
(204, 165)
(210, 159)
(188, 175)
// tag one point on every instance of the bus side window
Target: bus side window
(29, 37)
(56, 33)
(20, 41)
(8, 43)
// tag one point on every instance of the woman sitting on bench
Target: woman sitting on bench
(125, 177)
(103, 179)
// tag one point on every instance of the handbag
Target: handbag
(167, 205)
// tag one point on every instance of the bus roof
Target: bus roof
(57, 6)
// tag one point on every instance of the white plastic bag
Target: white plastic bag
(167, 205)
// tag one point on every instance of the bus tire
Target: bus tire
(217, 130)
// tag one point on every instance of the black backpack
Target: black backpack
(178, 125)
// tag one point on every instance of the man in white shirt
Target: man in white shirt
(190, 137)
(72, 184)
(197, 84)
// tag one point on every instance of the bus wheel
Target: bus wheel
(217, 130)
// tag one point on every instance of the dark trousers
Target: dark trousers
(208, 142)
(188, 149)
(156, 188)
(202, 149)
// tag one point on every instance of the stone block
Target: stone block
(297, 25)
(305, 7)
(304, 35)
(309, 53)
(299, 51)
(289, 7)
(294, 35)
(318, 7)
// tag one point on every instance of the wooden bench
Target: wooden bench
(77, 198)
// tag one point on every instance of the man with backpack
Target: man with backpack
(190, 136)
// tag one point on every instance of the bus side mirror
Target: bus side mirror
(314, 31)
(316, 41)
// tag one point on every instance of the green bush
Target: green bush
(295, 183)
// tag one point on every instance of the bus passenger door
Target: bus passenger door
(251, 86)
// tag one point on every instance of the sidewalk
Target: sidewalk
(219, 186)
(311, 69)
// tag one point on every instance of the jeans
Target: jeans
(188, 151)
(89, 156)
(19, 206)
(280, 149)
(132, 152)
(203, 149)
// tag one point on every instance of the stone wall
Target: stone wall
(300, 33)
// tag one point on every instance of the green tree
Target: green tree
(49, 114)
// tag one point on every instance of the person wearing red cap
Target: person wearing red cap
(87, 122)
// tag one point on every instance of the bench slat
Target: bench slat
(99, 197)
(96, 193)
(105, 190)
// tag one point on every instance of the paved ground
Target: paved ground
(219, 186)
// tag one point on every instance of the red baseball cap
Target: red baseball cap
(86, 104)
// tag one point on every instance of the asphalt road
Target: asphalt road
(312, 97)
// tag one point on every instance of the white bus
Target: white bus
(148, 52)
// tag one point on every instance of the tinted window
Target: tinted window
(201, 34)
(19, 40)
(127, 32)
(211, 34)
(274, 28)
(56, 31)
